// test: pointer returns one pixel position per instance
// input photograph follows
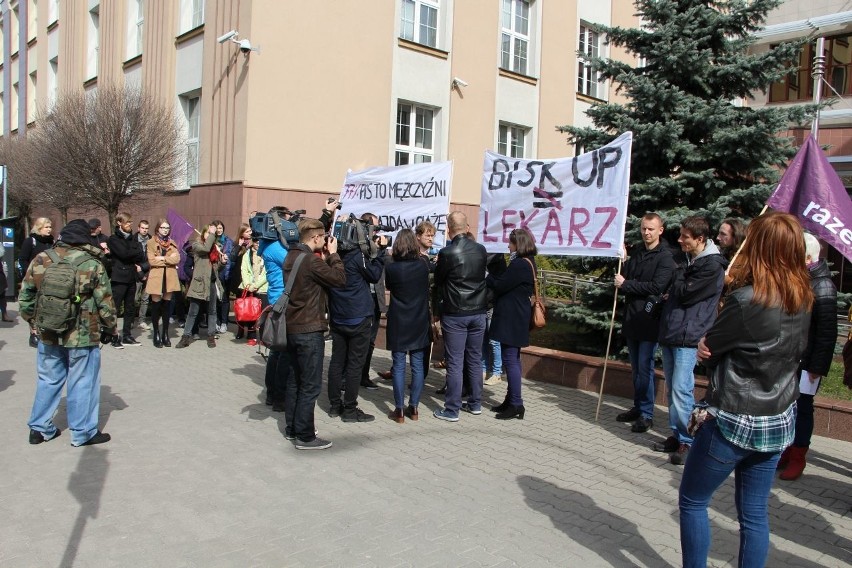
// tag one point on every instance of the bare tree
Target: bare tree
(107, 147)
(16, 153)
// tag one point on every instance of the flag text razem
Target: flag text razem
(823, 216)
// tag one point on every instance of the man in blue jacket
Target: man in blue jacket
(688, 314)
(351, 309)
(278, 369)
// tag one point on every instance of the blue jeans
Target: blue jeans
(463, 352)
(80, 368)
(304, 384)
(642, 364)
(678, 364)
(418, 374)
(512, 362)
(804, 420)
(711, 460)
(491, 354)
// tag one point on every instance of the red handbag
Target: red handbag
(247, 307)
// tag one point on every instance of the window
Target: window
(191, 14)
(511, 140)
(192, 111)
(32, 19)
(13, 107)
(515, 37)
(52, 88)
(798, 84)
(135, 26)
(420, 21)
(14, 30)
(31, 97)
(588, 81)
(414, 134)
(52, 11)
(94, 43)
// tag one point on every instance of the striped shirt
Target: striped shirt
(758, 433)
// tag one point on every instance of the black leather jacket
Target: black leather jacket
(755, 355)
(460, 278)
(823, 331)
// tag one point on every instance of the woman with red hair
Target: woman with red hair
(748, 415)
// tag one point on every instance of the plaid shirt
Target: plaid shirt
(758, 433)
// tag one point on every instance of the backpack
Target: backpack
(58, 301)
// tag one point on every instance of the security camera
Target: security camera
(459, 82)
(225, 37)
(245, 45)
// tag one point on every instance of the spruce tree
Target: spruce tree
(698, 147)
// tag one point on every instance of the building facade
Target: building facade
(277, 113)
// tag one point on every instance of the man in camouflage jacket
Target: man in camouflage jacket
(73, 357)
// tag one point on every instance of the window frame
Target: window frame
(414, 154)
(507, 137)
(803, 73)
(191, 106)
(589, 45)
(510, 60)
(417, 25)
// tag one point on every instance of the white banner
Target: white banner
(401, 196)
(572, 206)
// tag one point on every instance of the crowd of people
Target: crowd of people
(758, 312)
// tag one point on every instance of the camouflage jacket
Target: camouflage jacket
(96, 308)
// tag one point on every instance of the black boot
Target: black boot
(165, 335)
(512, 412)
(502, 407)
(156, 307)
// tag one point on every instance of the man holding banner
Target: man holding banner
(646, 278)
(460, 276)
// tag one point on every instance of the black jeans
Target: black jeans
(304, 385)
(278, 371)
(349, 347)
(125, 293)
(374, 332)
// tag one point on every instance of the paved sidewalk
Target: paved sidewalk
(198, 474)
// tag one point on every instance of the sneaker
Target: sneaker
(631, 415)
(335, 411)
(356, 415)
(369, 385)
(37, 437)
(315, 444)
(251, 342)
(99, 438)
(116, 343)
(492, 380)
(144, 326)
(670, 445)
(129, 341)
(642, 425)
(444, 414)
(223, 328)
(181, 324)
(679, 457)
(476, 410)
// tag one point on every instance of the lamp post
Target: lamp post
(818, 73)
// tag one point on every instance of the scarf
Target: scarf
(162, 244)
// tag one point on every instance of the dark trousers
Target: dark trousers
(349, 347)
(804, 421)
(124, 293)
(374, 332)
(303, 387)
(278, 371)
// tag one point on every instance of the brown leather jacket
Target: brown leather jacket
(306, 312)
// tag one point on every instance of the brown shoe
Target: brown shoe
(412, 413)
(386, 375)
(185, 340)
(396, 416)
(211, 341)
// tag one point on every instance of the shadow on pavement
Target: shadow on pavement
(86, 484)
(578, 516)
(6, 379)
(109, 402)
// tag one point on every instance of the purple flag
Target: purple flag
(181, 228)
(811, 190)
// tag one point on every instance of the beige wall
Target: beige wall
(558, 83)
(472, 126)
(312, 117)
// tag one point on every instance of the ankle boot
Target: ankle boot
(397, 416)
(412, 412)
(156, 337)
(502, 407)
(796, 465)
(512, 412)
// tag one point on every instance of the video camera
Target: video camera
(279, 224)
(354, 233)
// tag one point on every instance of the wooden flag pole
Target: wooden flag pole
(608, 344)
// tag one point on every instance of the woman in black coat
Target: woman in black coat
(512, 310)
(407, 278)
(39, 241)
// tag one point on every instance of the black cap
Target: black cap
(76, 232)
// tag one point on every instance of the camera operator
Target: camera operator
(380, 306)
(352, 310)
